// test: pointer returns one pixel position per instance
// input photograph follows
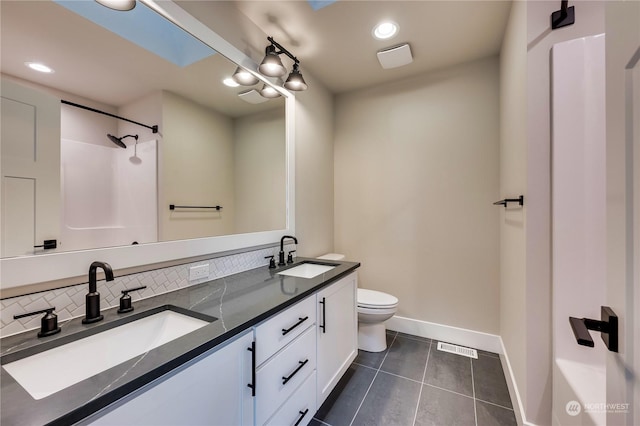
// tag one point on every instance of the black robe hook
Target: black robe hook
(563, 17)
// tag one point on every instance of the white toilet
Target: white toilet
(374, 308)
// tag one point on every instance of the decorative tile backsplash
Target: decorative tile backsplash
(70, 301)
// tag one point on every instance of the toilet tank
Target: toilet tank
(331, 256)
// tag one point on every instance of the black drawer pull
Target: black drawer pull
(252, 385)
(302, 414)
(324, 316)
(302, 363)
(285, 331)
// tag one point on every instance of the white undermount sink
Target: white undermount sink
(307, 270)
(51, 371)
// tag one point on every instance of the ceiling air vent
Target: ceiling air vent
(395, 57)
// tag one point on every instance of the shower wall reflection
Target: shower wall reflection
(109, 195)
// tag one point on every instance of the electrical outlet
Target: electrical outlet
(198, 272)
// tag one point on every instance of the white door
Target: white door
(30, 151)
(596, 219)
(623, 207)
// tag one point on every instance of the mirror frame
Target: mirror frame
(73, 266)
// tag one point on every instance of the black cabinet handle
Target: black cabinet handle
(252, 385)
(324, 316)
(290, 376)
(285, 331)
(302, 414)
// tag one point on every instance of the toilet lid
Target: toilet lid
(375, 299)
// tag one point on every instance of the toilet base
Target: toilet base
(372, 337)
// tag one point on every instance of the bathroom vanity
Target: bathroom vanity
(277, 347)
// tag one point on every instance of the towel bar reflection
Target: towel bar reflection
(519, 200)
(173, 207)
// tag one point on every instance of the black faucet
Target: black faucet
(281, 254)
(93, 297)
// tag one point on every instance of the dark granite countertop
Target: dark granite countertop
(239, 301)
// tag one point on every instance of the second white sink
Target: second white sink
(307, 270)
(53, 370)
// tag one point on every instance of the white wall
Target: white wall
(314, 117)
(190, 134)
(417, 171)
(260, 171)
(540, 38)
(513, 182)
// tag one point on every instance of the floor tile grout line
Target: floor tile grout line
(473, 388)
(493, 403)
(365, 366)
(371, 384)
(401, 377)
(448, 390)
(424, 373)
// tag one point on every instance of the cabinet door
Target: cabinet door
(337, 333)
(211, 391)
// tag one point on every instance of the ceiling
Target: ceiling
(334, 43)
(94, 63)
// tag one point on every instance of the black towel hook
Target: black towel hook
(563, 17)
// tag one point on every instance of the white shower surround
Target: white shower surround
(109, 195)
(579, 225)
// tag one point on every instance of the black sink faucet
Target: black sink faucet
(281, 254)
(93, 297)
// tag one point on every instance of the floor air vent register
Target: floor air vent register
(458, 350)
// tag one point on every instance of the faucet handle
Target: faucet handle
(272, 262)
(48, 324)
(290, 256)
(125, 300)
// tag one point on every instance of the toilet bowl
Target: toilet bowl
(374, 308)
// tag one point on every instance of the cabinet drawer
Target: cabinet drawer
(276, 332)
(282, 374)
(300, 408)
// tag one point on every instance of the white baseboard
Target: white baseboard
(464, 337)
(518, 407)
(459, 336)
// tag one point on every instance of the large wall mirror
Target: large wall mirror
(84, 165)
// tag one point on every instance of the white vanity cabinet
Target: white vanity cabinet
(210, 390)
(286, 366)
(337, 329)
(294, 361)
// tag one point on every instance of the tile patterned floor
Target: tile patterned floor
(412, 383)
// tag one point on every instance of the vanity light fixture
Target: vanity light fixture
(385, 30)
(121, 5)
(269, 92)
(271, 66)
(244, 77)
(37, 66)
(295, 81)
(229, 81)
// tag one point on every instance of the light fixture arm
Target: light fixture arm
(282, 50)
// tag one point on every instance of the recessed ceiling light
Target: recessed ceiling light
(230, 82)
(385, 30)
(122, 5)
(39, 67)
